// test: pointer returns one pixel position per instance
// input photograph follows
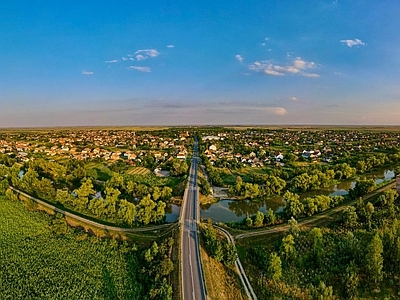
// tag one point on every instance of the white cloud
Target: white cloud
(141, 69)
(239, 57)
(124, 58)
(278, 111)
(298, 66)
(301, 64)
(269, 71)
(140, 57)
(287, 69)
(111, 61)
(310, 75)
(170, 46)
(351, 43)
(148, 53)
(87, 73)
(293, 99)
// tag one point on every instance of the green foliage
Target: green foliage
(374, 259)
(293, 208)
(217, 247)
(288, 249)
(41, 260)
(351, 281)
(362, 187)
(321, 292)
(350, 217)
(259, 219)
(205, 188)
(275, 267)
(270, 217)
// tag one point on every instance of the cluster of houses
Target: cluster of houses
(264, 146)
(106, 145)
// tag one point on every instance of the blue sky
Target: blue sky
(68, 63)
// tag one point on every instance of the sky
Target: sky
(87, 63)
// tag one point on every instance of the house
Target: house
(212, 148)
(181, 155)
(278, 156)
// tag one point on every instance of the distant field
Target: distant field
(320, 127)
(73, 128)
(138, 171)
(35, 263)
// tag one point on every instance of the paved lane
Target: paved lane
(192, 277)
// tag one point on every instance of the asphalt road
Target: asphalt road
(192, 276)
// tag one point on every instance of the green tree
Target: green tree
(293, 208)
(274, 267)
(249, 222)
(144, 210)
(293, 227)
(350, 217)
(83, 193)
(351, 281)
(111, 201)
(288, 250)
(258, 219)
(374, 259)
(230, 254)
(3, 186)
(270, 217)
(63, 196)
(126, 212)
(316, 237)
(369, 211)
(322, 292)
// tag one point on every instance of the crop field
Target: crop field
(138, 171)
(36, 263)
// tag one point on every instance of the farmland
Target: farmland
(138, 171)
(35, 262)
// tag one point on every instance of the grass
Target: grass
(138, 171)
(222, 283)
(176, 275)
(36, 263)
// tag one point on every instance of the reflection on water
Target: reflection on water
(172, 213)
(236, 211)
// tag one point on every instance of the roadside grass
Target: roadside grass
(176, 275)
(222, 283)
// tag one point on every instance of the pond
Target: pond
(172, 212)
(229, 210)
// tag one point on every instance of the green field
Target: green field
(138, 171)
(35, 263)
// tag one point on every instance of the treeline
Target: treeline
(358, 256)
(301, 179)
(157, 269)
(216, 246)
(270, 185)
(296, 207)
(118, 200)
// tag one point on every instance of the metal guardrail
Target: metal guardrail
(242, 274)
